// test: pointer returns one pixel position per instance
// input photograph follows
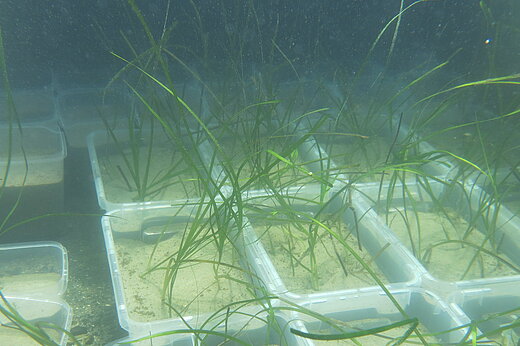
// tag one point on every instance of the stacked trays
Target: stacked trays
(33, 161)
(33, 280)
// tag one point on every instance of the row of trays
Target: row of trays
(444, 252)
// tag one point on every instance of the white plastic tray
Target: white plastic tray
(57, 314)
(393, 261)
(36, 157)
(33, 106)
(36, 269)
(102, 139)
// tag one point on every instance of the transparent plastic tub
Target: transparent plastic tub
(35, 155)
(36, 270)
(81, 111)
(33, 106)
(455, 230)
(137, 239)
(52, 316)
(368, 309)
(259, 330)
(113, 178)
(384, 254)
(35, 181)
(494, 305)
(358, 157)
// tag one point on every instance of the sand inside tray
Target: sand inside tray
(449, 261)
(337, 268)
(199, 287)
(42, 284)
(170, 177)
(29, 272)
(10, 336)
(31, 311)
(248, 161)
(40, 149)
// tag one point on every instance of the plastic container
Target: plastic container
(258, 330)
(305, 165)
(358, 157)
(36, 155)
(468, 238)
(494, 304)
(268, 239)
(35, 270)
(171, 178)
(47, 313)
(139, 238)
(440, 303)
(81, 112)
(33, 106)
(35, 180)
(371, 308)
